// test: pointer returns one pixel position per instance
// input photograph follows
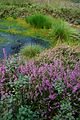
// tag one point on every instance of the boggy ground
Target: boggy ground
(46, 87)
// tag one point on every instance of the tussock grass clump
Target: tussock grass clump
(31, 51)
(62, 30)
(40, 21)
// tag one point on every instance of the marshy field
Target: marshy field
(39, 60)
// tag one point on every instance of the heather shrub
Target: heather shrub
(31, 51)
(67, 54)
(52, 83)
(39, 91)
(40, 21)
(16, 101)
(65, 112)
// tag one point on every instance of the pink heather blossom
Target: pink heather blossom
(44, 77)
(52, 96)
(76, 87)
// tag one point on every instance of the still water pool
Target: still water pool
(13, 43)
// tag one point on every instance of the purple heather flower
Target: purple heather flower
(52, 96)
(76, 87)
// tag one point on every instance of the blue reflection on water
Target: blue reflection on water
(15, 42)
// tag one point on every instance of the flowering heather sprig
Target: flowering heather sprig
(48, 73)
(45, 77)
(52, 82)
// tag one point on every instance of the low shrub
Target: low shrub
(68, 55)
(15, 100)
(39, 91)
(40, 21)
(65, 112)
(31, 51)
(52, 83)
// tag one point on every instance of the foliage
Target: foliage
(46, 93)
(76, 1)
(31, 51)
(61, 30)
(21, 8)
(40, 89)
(68, 55)
(16, 102)
(21, 27)
(78, 21)
(65, 112)
(25, 113)
(48, 87)
(40, 21)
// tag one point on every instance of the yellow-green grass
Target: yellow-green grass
(2, 40)
(10, 21)
(60, 32)
(30, 31)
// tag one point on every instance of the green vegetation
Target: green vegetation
(11, 24)
(32, 89)
(62, 30)
(76, 1)
(39, 84)
(40, 21)
(2, 40)
(59, 30)
(30, 51)
(65, 111)
(22, 8)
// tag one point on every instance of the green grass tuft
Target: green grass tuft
(62, 30)
(31, 51)
(40, 21)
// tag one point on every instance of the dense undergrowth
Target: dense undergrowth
(58, 9)
(45, 88)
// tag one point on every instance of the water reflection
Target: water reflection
(15, 42)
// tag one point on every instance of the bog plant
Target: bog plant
(62, 30)
(40, 21)
(31, 51)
